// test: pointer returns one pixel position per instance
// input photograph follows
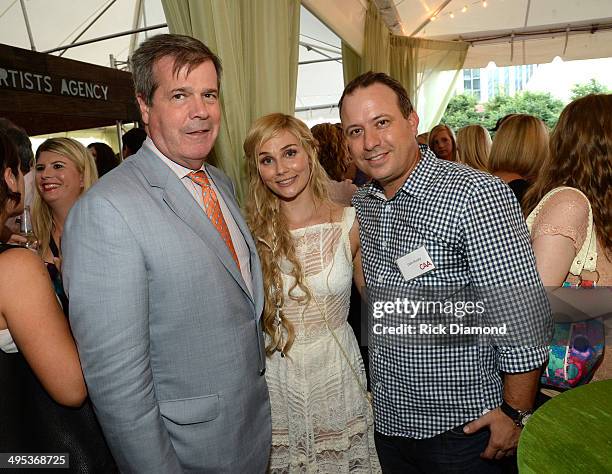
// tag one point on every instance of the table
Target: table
(570, 433)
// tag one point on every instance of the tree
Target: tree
(463, 109)
(540, 104)
(590, 87)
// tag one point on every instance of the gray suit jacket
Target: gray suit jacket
(168, 334)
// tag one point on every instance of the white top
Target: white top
(240, 245)
(6, 342)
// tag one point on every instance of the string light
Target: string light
(483, 3)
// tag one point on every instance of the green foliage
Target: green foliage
(540, 104)
(463, 109)
(591, 87)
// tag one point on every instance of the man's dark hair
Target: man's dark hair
(369, 78)
(22, 142)
(185, 50)
(133, 140)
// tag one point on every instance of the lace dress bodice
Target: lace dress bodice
(327, 265)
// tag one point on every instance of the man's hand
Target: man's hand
(504, 434)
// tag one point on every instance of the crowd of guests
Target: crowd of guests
(212, 342)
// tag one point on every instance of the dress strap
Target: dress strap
(4, 247)
(348, 219)
(53, 248)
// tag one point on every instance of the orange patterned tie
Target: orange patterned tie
(213, 210)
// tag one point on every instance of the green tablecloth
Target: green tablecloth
(570, 433)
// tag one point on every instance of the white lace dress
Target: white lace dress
(321, 420)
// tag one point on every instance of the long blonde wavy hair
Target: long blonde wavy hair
(581, 157)
(42, 217)
(269, 226)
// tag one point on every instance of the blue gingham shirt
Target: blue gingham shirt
(471, 225)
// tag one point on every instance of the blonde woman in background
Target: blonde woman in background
(473, 146)
(64, 171)
(443, 143)
(518, 152)
(321, 417)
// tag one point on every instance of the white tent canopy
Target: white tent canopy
(507, 32)
(59, 22)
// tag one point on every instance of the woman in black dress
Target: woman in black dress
(40, 374)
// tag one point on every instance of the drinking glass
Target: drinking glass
(26, 230)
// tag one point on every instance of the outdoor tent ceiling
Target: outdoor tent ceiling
(506, 32)
(55, 23)
(542, 29)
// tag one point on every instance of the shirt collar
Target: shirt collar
(180, 170)
(417, 182)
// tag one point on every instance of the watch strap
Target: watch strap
(517, 416)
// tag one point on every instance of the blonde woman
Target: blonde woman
(519, 150)
(473, 146)
(443, 143)
(321, 417)
(64, 170)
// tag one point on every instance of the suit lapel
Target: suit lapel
(228, 196)
(181, 202)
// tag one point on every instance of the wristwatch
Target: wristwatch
(519, 417)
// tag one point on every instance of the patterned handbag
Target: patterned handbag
(575, 351)
(576, 347)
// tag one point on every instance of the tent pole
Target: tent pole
(119, 140)
(102, 38)
(138, 12)
(428, 20)
(27, 23)
(90, 24)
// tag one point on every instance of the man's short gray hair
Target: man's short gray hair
(185, 50)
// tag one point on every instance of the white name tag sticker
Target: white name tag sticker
(415, 263)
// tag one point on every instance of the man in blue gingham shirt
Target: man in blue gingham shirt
(439, 406)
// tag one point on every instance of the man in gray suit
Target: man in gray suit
(165, 285)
